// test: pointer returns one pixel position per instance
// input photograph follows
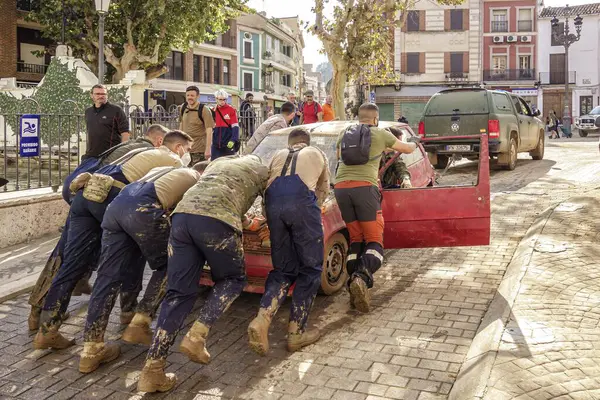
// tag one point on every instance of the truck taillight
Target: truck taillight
(494, 128)
(422, 129)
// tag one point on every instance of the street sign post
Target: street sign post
(29, 135)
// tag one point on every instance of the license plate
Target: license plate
(458, 147)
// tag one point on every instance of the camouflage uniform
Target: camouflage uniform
(207, 228)
(395, 173)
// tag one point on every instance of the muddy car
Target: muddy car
(588, 123)
(424, 216)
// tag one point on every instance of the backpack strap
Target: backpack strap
(292, 157)
(200, 109)
(130, 155)
(183, 108)
(223, 118)
(161, 173)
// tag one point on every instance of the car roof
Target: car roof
(332, 128)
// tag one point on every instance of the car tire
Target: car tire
(442, 161)
(538, 152)
(334, 275)
(513, 152)
(582, 133)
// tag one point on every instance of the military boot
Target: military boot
(126, 317)
(95, 353)
(34, 318)
(359, 295)
(51, 340)
(138, 331)
(153, 377)
(82, 287)
(193, 344)
(298, 339)
(258, 332)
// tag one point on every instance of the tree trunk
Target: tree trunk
(338, 84)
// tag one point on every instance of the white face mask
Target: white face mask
(186, 159)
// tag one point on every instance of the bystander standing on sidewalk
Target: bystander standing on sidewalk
(311, 110)
(328, 113)
(247, 116)
(196, 120)
(226, 135)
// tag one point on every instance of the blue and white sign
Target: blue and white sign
(372, 97)
(29, 133)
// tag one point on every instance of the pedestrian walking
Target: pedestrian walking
(277, 121)
(297, 187)
(397, 174)
(247, 116)
(196, 119)
(153, 139)
(207, 227)
(358, 196)
(226, 135)
(135, 222)
(86, 214)
(328, 113)
(311, 110)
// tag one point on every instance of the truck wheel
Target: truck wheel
(442, 161)
(512, 155)
(538, 152)
(334, 274)
(583, 133)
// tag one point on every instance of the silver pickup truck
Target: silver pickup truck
(588, 123)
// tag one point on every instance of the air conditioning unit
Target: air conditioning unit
(525, 39)
(511, 39)
(247, 35)
(498, 39)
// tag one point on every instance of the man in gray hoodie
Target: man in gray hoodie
(277, 121)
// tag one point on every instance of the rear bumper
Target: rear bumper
(439, 146)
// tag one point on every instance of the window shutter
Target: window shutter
(447, 67)
(422, 63)
(403, 63)
(466, 19)
(422, 20)
(466, 62)
(447, 20)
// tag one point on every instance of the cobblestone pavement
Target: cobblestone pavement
(428, 305)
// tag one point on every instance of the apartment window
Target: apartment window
(216, 70)
(557, 31)
(499, 64)
(206, 69)
(500, 21)
(226, 65)
(412, 63)
(456, 62)
(586, 104)
(248, 53)
(287, 50)
(286, 80)
(456, 20)
(269, 42)
(525, 21)
(248, 81)
(524, 62)
(277, 44)
(174, 62)
(197, 65)
(412, 21)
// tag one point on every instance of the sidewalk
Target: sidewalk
(550, 347)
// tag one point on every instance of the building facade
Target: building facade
(437, 47)
(584, 61)
(510, 42)
(314, 81)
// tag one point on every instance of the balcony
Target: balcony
(557, 77)
(225, 40)
(26, 5)
(495, 75)
(39, 69)
(525, 26)
(457, 76)
(499, 26)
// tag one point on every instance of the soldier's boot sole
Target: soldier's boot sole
(110, 352)
(51, 340)
(138, 334)
(359, 295)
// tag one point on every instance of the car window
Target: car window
(595, 111)
(458, 102)
(413, 157)
(517, 104)
(525, 107)
(502, 102)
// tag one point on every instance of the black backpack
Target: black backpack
(200, 109)
(356, 145)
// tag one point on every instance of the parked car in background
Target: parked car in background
(587, 123)
(512, 126)
(424, 216)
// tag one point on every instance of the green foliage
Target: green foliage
(58, 94)
(138, 34)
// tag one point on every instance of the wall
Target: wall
(8, 39)
(246, 65)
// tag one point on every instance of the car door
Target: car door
(534, 133)
(524, 124)
(416, 162)
(440, 216)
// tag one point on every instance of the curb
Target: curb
(471, 381)
(16, 288)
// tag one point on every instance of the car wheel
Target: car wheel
(583, 133)
(512, 155)
(538, 152)
(442, 161)
(334, 273)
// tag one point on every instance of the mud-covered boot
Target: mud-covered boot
(153, 377)
(193, 344)
(359, 295)
(258, 332)
(52, 339)
(95, 353)
(138, 331)
(83, 287)
(298, 340)
(126, 317)
(34, 318)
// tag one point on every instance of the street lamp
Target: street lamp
(566, 39)
(102, 9)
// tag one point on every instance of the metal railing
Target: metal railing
(32, 68)
(26, 5)
(525, 26)
(499, 26)
(557, 77)
(509, 74)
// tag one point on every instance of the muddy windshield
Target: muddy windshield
(595, 111)
(273, 143)
(458, 102)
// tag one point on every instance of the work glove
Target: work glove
(406, 183)
(230, 144)
(414, 139)
(253, 224)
